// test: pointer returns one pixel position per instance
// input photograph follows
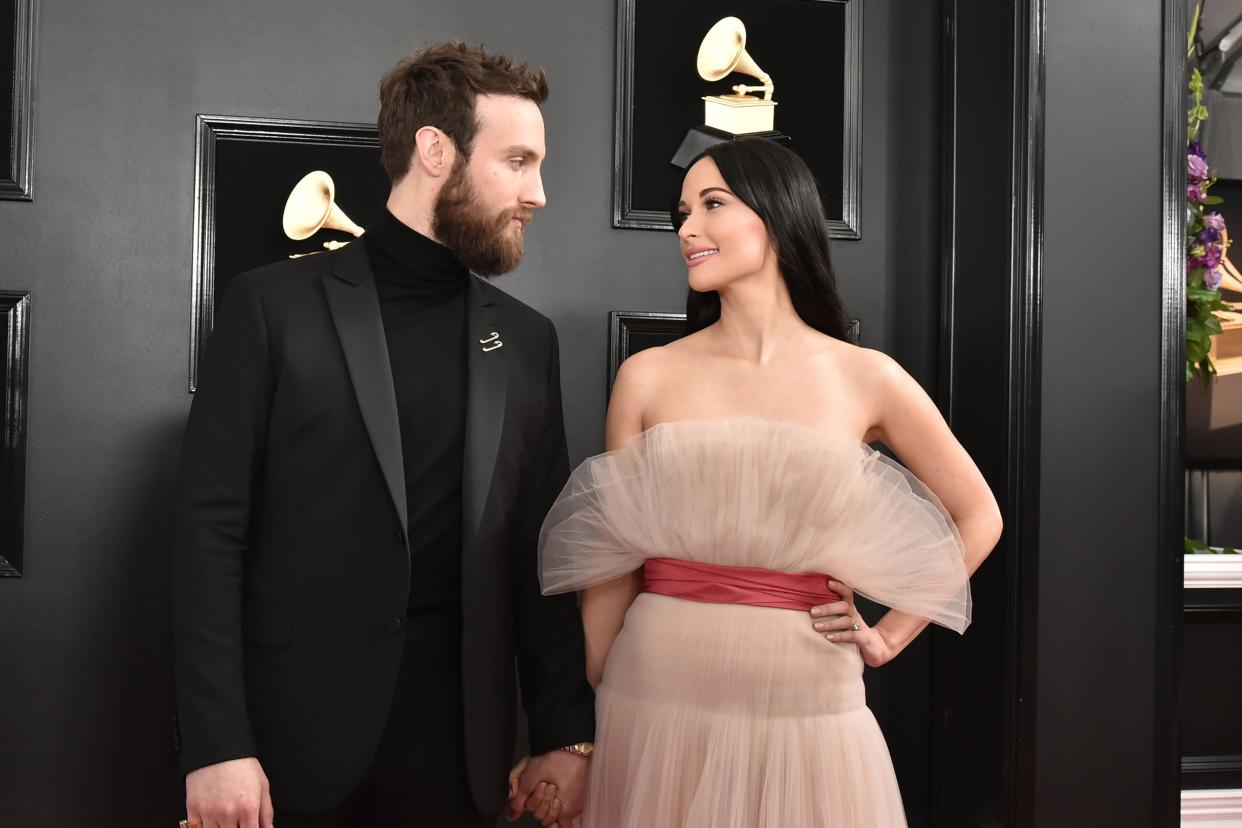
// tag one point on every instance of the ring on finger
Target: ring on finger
(854, 626)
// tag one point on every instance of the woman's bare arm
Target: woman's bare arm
(908, 422)
(604, 605)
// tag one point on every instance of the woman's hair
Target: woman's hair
(777, 184)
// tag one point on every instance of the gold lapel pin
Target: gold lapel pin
(494, 338)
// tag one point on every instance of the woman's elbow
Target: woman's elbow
(996, 526)
(988, 529)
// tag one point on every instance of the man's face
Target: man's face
(488, 199)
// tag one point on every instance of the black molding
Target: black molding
(1210, 772)
(1200, 772)
(985, 683)
(1212, 763)
(1213, 605)
(15, 306)
(946, 371)
(1171, 520)
(625, 216)
(211, 129)
(16, 180)
(1025, 404)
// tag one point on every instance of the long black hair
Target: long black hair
(777, 184)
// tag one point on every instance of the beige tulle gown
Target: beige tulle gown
(724, 715)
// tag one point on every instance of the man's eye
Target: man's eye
(517, 162)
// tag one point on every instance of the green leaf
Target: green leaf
(1213, 200)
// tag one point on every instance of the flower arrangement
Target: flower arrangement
(1205, 251)
(1205, 246)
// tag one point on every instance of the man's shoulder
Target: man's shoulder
(514, 309)
(289, 274)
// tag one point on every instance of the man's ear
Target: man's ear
(434, 152)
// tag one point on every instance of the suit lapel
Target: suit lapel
(487, 382)
(352, 299)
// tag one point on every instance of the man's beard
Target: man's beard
(484, 242)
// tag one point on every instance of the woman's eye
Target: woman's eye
(713, 202)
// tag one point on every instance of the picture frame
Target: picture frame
(632, 331)
(658, 97)
(17, 63)
(15, 330)
(244, 170)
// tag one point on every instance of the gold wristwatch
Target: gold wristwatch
(582, 749)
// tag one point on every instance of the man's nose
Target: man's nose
(533, 196)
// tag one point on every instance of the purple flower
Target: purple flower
(1196, 168)
(1193, 193)
(1211, 278)
(1215, 221)
(1196, 149)
(1209, 235)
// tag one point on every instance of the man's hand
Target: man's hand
(551, 786)
(231, 794)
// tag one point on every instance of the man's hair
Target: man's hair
(438, 87)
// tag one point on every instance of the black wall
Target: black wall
(1062, 709)
(105, 248)
(1099, 531)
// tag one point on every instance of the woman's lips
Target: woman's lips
(697, 255)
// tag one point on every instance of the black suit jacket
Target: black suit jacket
(291, 566)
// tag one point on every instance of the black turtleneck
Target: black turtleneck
(422, 297)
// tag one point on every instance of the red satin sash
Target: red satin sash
(719, 584)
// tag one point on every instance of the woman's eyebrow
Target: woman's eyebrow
(705, 192)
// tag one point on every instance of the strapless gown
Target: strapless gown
(724, 715)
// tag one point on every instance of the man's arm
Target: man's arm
(551, 660)
(560, 705)
(220, 469)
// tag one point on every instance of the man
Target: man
(376, 438)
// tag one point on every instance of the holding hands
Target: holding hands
(551, 786)
(232, 794)
(840, 623)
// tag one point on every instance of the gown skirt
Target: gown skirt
(730, 715)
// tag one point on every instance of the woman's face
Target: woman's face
(722, 239)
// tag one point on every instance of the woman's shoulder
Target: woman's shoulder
(651, 375)
(859, 364)
(661, 360)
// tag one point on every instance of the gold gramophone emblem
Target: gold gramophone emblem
(311, 206)
(722, 52)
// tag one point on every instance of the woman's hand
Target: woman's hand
(841, 624)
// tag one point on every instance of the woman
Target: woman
(721, 539)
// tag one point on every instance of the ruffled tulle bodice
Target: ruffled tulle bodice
(759, 493)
